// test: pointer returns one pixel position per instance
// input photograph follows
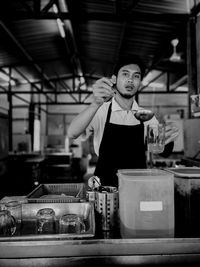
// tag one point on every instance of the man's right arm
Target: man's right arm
(82, 120)
(102, 91)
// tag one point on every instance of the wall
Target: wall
(165, 104)
(20, 119)
(198, 52)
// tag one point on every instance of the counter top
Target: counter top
(100, 251)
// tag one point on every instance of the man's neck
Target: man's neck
(124, 103)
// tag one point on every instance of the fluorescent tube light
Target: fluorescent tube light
(55, 9)
(59, 22)
(61, 28)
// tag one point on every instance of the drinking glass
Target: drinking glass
(71, 224)
(155, 140)
(7, 223)
(46, 221)
(15, 209)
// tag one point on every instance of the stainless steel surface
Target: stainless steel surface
(126, 252)
(106, 205)
(189, 172)
(144, 115)
(29, 229)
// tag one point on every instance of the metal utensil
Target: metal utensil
(144, 114)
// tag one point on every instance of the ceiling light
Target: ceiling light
(175, 56)
(59, 22)
(55, 9)
(61, 28)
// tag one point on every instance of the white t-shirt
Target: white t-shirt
(118, 116)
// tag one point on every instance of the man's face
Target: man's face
(128, 80)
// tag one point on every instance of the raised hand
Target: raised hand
(103, 90)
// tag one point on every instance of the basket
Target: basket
(58, 193)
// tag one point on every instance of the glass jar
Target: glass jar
(71, 224)
(46, 221)
(15, 209)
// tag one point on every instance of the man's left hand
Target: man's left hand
(171, 132)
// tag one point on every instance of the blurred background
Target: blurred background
(51, 53)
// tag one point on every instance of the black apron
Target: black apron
(122, 147)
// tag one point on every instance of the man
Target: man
(118, 135)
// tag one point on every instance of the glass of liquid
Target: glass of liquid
(156, 138)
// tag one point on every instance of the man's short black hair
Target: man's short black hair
(127, 61)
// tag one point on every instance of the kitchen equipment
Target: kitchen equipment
(146, 203)
(58, 193)
(106, 205)
(144, 114)
(187, 199)
(29, 221)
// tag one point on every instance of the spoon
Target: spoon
(144, 114)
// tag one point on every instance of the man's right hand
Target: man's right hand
(102, 90)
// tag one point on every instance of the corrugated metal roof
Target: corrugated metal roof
(98, 33)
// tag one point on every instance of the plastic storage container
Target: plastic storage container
(187, 201)
(146, 203)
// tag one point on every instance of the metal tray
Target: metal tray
(185, 172)
(28, 225)
(58, 193)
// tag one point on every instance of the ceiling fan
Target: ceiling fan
(175, 57)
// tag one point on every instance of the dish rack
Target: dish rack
(58, 193)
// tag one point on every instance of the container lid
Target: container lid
(138, 173)
(185, 172)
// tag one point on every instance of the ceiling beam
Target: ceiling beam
(5, 91)
(83, 16)
(46, 92)
(48, 6)
(31, 83)
(152, 80)
(178, 83)
(26, 6)
(86, 93)
(71, 36)
(130, 7)
(195, 10)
